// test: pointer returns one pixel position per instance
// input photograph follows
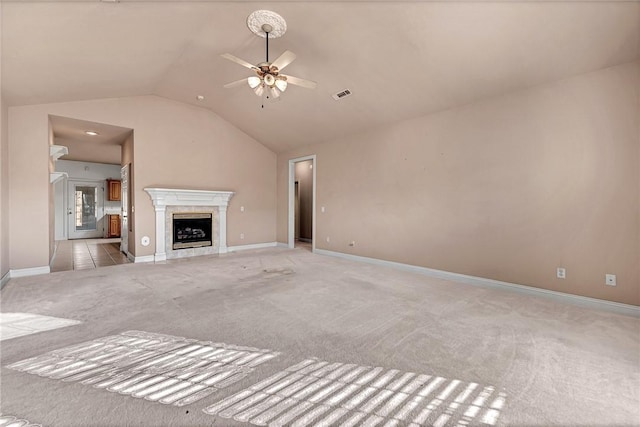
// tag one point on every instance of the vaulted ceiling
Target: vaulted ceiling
(399, 59)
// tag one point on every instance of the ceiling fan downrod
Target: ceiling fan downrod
(267, 29)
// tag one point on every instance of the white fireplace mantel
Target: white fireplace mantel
(163, 197)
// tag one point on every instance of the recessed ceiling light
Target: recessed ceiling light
(200, 98)
(91, 132)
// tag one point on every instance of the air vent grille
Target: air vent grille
(341, 94)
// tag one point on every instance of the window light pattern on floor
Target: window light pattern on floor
(11, 421)
(326, 394)
(14, 325)
(161, 368)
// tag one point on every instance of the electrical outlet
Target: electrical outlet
(241, 208)
(610, 279)
(241, 236)
(328, 240)
(561, 273)
(322, 209)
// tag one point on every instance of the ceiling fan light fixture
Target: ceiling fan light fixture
(269, 80)
(254, 82)
(269, 25)
(281, 84)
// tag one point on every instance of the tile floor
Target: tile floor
(87, 253)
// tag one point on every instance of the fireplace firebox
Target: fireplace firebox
(192, 230)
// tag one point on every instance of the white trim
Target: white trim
(57, 151)
(626, 309)
(138, 259)
(253, 246)
(291, 209)
(31, 271)
(55, 252)
(282, 245)
(56, 176)
(5, 279)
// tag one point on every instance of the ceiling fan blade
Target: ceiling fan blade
(239, 61)
(236, 83)
(301, 82)
(283, 60)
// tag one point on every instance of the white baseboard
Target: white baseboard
(139, 259)
(252, 246)
(5, 279)
(32, 271)
(627, 309)
(55, 252)
(282, 245)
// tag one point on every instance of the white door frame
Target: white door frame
(292, 213)
(99, 208)
(125, 178)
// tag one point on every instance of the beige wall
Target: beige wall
(80, 151)
(637, 179)
(28, 189)
(176, 145)
(4, 190)
(4, 178)
(509, 188)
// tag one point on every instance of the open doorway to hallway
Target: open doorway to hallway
(302, 202)
(90, 202)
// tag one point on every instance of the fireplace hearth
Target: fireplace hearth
(192, 230)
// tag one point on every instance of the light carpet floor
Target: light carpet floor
(287, 337)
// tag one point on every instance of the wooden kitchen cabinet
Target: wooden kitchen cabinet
(114, 225)
(114, 189)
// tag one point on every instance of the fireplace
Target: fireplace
(170, 201)
(192, 230)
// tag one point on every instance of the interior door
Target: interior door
(124, 227)
(86, 209)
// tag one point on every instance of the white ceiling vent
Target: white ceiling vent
(341, 94)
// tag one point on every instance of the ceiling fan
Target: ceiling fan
(268, 78)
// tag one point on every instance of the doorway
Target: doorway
(85, 209)
(302, 201)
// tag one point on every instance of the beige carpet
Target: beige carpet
(349, 344)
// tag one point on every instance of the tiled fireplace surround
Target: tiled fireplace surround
(167, 201)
